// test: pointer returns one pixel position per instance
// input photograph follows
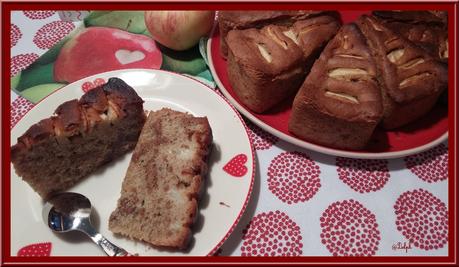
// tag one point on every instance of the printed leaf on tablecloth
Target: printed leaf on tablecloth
(131, 21)
(422, 218)
(272, 233)
(36, 250)
(431, 165)
(349, 229)
(363, 175)
(293, 177)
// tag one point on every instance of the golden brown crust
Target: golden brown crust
(407, 74)
(427, 29)
(245, 19)
(414, 16)
(267, 65)
(264, 66)
(69, 117)
(96, 115)
(314, 33)
(339, 104)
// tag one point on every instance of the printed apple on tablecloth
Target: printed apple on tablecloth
(105, 41)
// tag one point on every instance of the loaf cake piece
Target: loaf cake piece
(57, 152)
(414, 16)
(339, 104)
(427, 29)
(411, 80)
(265, 66)
(312, 34)
(245, 19)
(160, 192)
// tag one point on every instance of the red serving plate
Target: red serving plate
(418, 136)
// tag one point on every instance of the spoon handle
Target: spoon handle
(108, 247)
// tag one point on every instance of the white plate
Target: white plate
(220, 209)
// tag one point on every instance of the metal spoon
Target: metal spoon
(68, 211)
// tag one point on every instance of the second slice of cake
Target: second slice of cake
(160, 193)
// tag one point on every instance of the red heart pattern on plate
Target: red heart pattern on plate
(235, 166)
(91, 85)
(36, 250)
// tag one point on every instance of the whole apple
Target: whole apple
(179, 30)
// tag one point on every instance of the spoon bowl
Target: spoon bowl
(68, 211)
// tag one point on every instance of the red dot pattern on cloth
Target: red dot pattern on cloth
(431, 165)
(260, 139)
(363, 175)
(293, 177)
(39, 14)
(235, 166)
(19, 108)
(21, 62)
(36, 250)
(422, 218)
(272, 234)
(15, 34)
(349, 229)
(51, 33)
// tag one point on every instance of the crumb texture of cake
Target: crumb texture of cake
(411, 80)
(59, 151)
(339, 104)
(161, 189)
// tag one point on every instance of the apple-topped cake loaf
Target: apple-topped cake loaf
(339, 104)
(268, 65)
(160, 192)
(57, 152)
(427, 29)
(411, 79)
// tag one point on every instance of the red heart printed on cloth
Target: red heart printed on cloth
(235, 166)
(91, 85)
(36, 250)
